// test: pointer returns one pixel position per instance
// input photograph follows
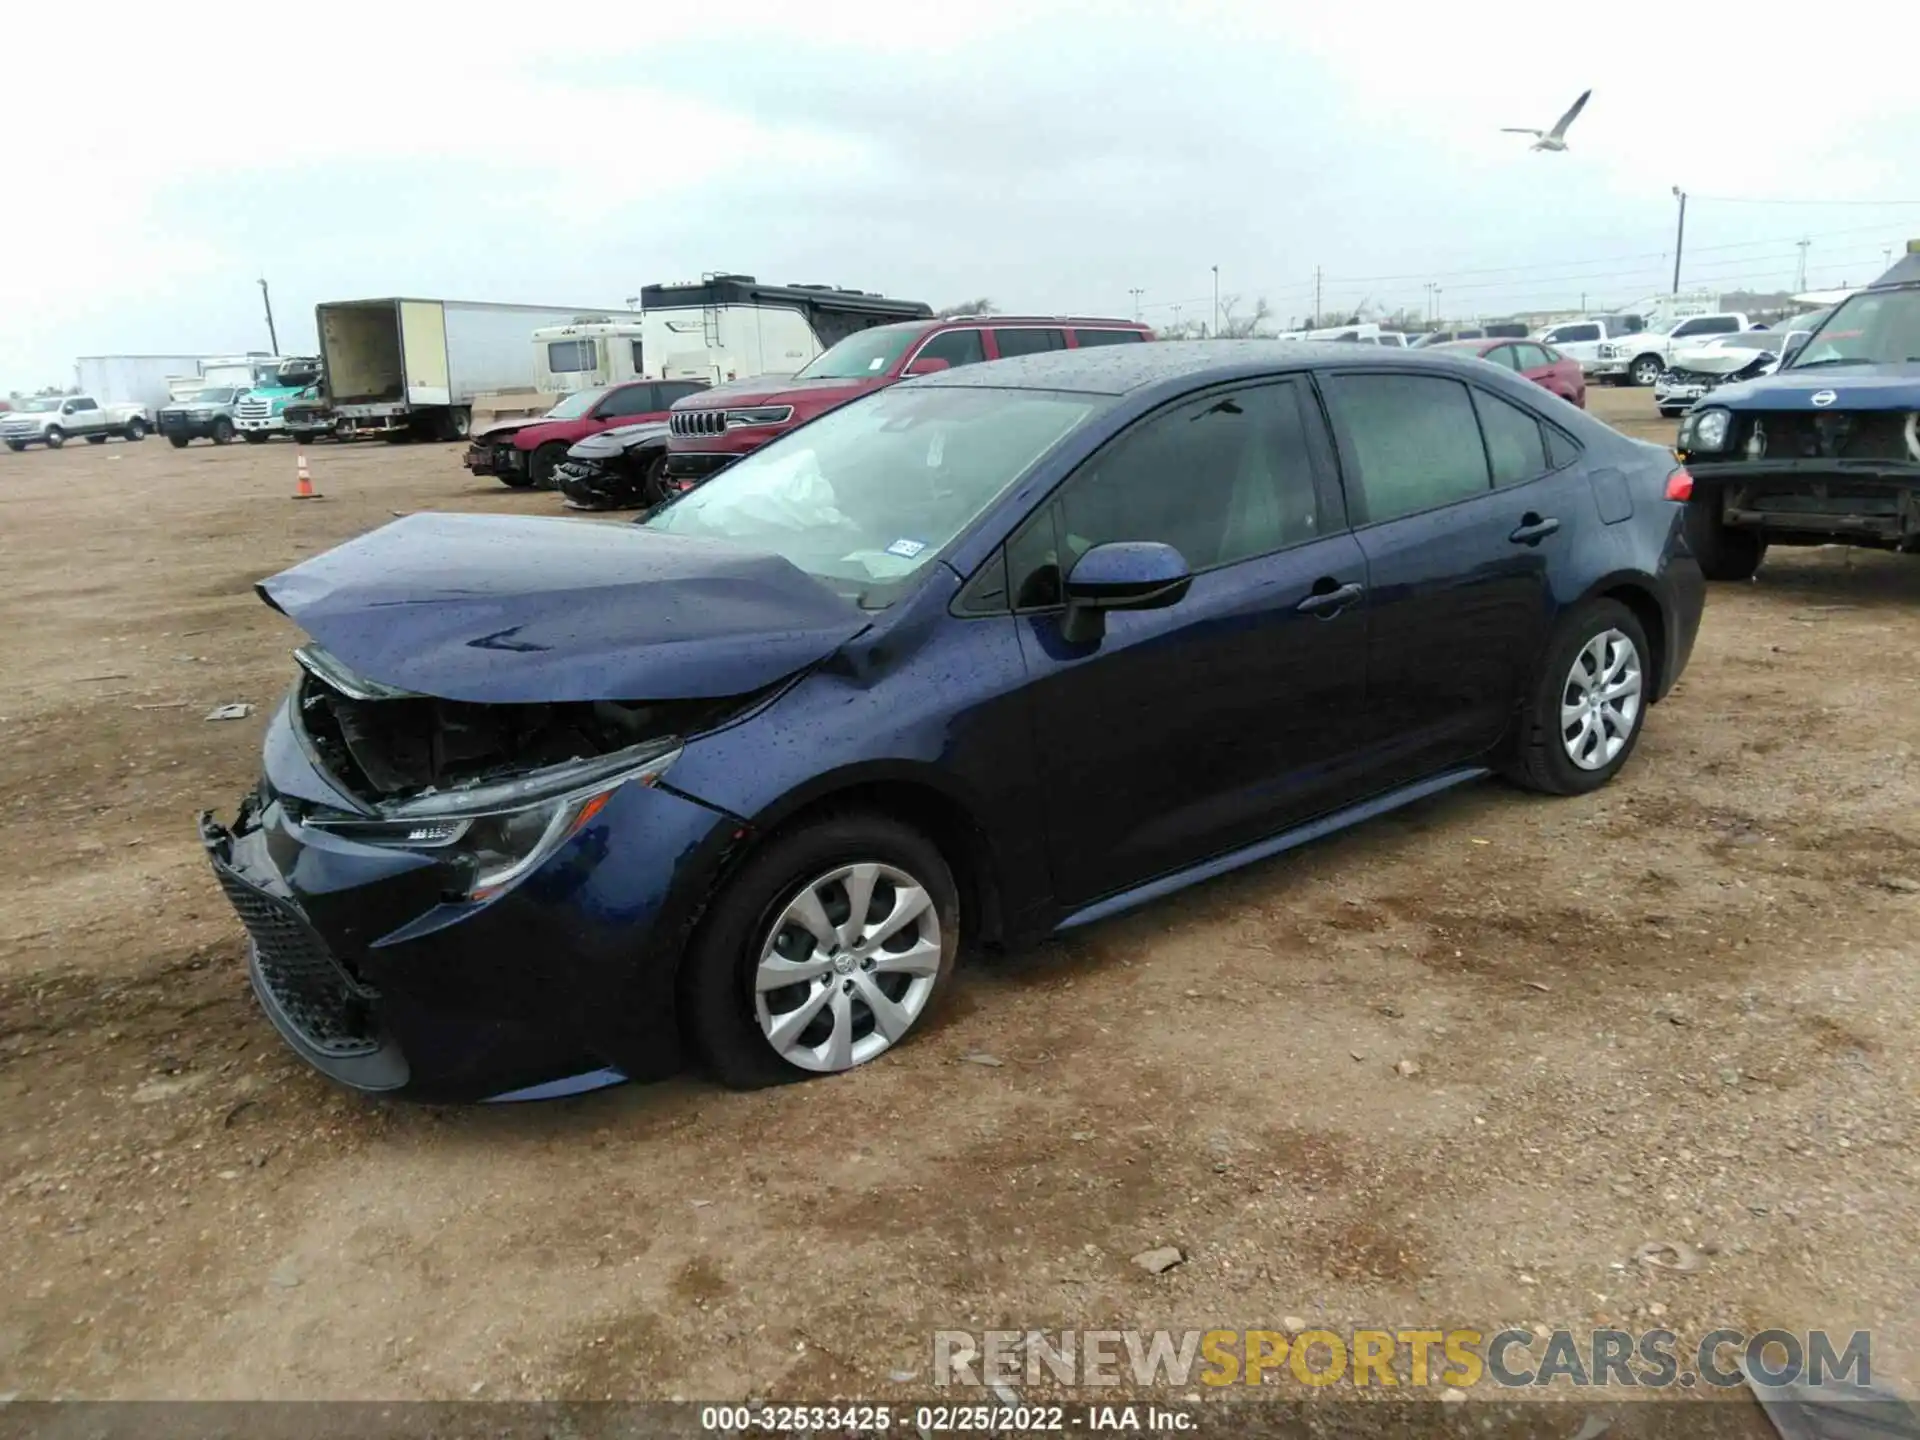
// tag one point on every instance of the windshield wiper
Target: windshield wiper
(1832, 360)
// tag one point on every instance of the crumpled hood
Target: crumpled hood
(1853, 387)
(1716, 360)
(517, 609)
(611, 443)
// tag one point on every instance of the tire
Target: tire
(1645, 370)
(179, 442)
(16, 446)
(456, 424)
(718, 995)
(222, 431)
(541, 463)
(55, 437)
(654, 487)
(136, 430)
(1544, 755)
(1724, 553)
(254, 437)
(1672, 412)
(515, 479)
(96, 439)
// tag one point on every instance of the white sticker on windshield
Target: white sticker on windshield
(879, 362)
(906, 549)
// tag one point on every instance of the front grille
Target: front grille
(697, 422)
(255, 410)
(312, 990)
(1804, 435)
(174, 420)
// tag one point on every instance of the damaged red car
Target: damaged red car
(520, 453)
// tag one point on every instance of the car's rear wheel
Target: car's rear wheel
(136, 429)
(1589, 702)
(96, 439)
(828, 948)
(179, 442)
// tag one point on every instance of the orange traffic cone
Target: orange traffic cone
(303, 482)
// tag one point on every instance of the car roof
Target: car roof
(1118, 369)
(1071, 322)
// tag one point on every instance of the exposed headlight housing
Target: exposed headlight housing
(503, 832)
(758, 415)
(1710, 429)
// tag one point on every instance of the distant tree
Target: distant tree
(1247, 326)
(982, 306)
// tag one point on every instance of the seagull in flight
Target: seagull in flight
(1556, 138)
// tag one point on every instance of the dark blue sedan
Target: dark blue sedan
(978, 658)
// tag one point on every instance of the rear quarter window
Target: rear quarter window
(1084, 338)
(1028, 341)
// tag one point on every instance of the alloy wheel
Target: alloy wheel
(1600, 701)
(847, 967)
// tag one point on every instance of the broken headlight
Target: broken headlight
(502, 832)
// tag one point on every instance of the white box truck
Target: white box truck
(411, 369)
(131, 379)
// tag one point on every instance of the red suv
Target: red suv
(710, 430)
(524, 452)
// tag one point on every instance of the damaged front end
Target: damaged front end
(1810, 477)
(621, 469)
(426, 887)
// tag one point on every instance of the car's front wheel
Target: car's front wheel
(1645, 370)
(828, 948)
(1588, 703)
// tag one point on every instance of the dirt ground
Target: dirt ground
(1681, 1009)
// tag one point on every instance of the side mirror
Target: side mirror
(928, 365)
(1121, 575)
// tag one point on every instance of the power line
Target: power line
(1744, 200)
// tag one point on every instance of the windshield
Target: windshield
(575, 405)
(1876, 328)
(862, 355)
(215, 396)
(869, 493)
(53, 402)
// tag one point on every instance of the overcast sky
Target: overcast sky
(1051, 157)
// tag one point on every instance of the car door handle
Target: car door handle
(1329, 598)
(1533, 529)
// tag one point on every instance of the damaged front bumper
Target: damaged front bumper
(1871, 503)
(383, 967)
(493, 459)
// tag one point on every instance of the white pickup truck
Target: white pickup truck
(1641, 359)
(1590, 341)
(51, 420)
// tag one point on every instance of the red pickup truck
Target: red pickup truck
(712, 429)
(524, 452)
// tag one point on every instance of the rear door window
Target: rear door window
(1031, 340)
(1414, 440)
(1572, 334)
(1505, 356)
(1515, 449)
(672, 390)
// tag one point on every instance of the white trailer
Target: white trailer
(412, 369)
(131, 379)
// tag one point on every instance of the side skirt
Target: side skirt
(1273, 845)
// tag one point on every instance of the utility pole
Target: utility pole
(1316, 295)
(1176, 316)
(1801, 284)
(273, 340)
(1216, 301)
(1136, 292)
(1680, 236)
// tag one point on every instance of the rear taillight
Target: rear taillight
(1680, 485)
